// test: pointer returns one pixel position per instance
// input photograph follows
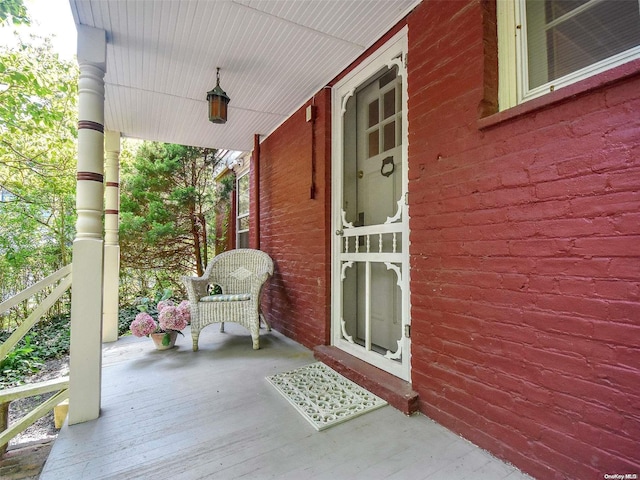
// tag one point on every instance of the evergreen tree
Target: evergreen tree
(166, 206)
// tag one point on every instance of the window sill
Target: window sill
(617, 74)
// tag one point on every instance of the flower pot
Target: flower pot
(164, 344)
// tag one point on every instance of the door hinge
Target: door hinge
(406, 59)
(407, 331)
(406, 198)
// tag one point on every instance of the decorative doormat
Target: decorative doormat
(323, 396)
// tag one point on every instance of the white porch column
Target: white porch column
(85, 363)
(111, 245)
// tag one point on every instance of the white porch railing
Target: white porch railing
(63, 279)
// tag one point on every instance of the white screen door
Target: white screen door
(370, 311)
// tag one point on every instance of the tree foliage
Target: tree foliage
(13, 11)
(38, 131)
(166, 206)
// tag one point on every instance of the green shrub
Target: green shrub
(49, 338)
(19, 363)
(52, 337)
(126, 315)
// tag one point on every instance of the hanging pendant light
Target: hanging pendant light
(218, 101)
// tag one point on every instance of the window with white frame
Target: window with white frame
(242, 217)
(544, 45)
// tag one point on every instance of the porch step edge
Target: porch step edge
(392, 389)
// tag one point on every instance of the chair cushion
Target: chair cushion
(238, 297)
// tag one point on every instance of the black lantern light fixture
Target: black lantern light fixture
(218, 101)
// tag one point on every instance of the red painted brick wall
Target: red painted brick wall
(295, 223)
(525, 256)
(525, 250)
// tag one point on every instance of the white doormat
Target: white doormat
(323, 396)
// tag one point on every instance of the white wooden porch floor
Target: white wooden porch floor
(211, 414)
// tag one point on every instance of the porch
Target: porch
(180, 414)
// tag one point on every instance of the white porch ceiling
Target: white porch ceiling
(274, 55)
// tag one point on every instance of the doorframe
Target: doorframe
(396, 46)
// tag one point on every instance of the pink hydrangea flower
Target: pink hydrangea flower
(184, 308)
(143, 325)
(162, 304)
(171, 319)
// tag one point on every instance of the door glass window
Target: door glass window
(374, 143)
(389, 134)
(389, 103)
(381, 122)
(372, 165)
(373, 113)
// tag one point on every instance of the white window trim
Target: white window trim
(239, 215)
(507, 58)
(512, 50)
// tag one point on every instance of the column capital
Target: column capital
(92, 46)
(111, 141)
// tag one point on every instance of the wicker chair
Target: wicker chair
(241, 274)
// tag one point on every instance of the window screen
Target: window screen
(566, 36)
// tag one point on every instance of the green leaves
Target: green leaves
(38, 131)
(184, 195)
(49, 339)
(13, 11)
(20, 362)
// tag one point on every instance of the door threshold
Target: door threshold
(394, 390)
